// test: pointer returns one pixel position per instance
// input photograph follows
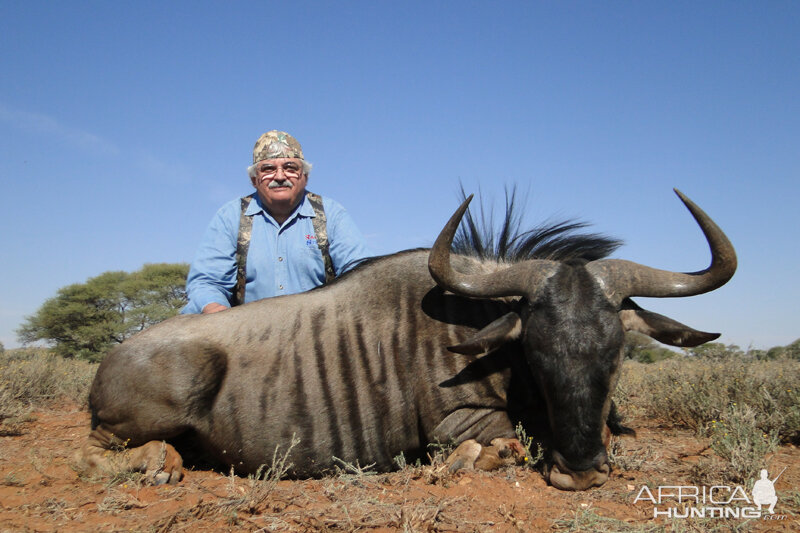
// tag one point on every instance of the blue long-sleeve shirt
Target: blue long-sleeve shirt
(282, 259)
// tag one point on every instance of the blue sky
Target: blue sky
(124, 126)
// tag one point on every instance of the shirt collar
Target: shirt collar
(302, 210)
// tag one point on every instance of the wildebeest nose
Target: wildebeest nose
(601, 463)
(563, 477)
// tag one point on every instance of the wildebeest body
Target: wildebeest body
(349, 375)
(404, 350)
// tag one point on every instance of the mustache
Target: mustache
(280, 183)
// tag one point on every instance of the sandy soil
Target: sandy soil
(39, 491)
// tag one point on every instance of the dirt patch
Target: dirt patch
(39, 491)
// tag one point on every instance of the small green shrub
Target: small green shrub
(531, 459)
(741, 447)
(438, 452)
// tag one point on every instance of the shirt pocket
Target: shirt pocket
(312, 265)
(311, 248)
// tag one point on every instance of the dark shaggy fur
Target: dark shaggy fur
(556, 241)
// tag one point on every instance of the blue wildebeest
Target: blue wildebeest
(386, 360)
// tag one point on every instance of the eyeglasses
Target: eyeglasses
(270, 170)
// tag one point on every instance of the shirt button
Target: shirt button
(280, 259)
(280, 287)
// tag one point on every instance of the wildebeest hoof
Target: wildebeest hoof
(471, 455)
(161, 478)
(510, 449)
(164, 477)
(463, 457)
(500, 452)
(163, 462)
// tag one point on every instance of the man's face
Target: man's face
(280, 183)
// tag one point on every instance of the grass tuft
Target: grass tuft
(34, 377)
(262, 483)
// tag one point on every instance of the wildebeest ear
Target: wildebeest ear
(506, 328)
(661, 328)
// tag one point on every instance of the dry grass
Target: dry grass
(743, 406)
(589, 520)
(34, 377)
(627, 457)
(696, 392)
(262, 483)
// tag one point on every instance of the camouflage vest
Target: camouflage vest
(243, 243)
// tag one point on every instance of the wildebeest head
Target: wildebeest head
(571, 326)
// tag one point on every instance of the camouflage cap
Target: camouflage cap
(274, 144)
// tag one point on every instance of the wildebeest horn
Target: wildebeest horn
(621, 279)
(520, 279)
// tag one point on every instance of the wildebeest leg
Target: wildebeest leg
(476, 425)
(105, 454)
(470, 454)
(143, 395)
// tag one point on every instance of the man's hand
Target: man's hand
(213, 307)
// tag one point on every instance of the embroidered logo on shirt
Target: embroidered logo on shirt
(311, 240)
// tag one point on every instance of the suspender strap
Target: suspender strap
(321, 231)
(243, 244)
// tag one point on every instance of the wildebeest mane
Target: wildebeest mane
(353, 267)
(556, 241)
(477, 237)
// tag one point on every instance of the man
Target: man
(275, 241)
(764, 491)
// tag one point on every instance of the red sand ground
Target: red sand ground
(39, 491)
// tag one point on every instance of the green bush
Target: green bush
(85, 320)
(738, 441)
(791, 351)
(642, 348)
(716, 350)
